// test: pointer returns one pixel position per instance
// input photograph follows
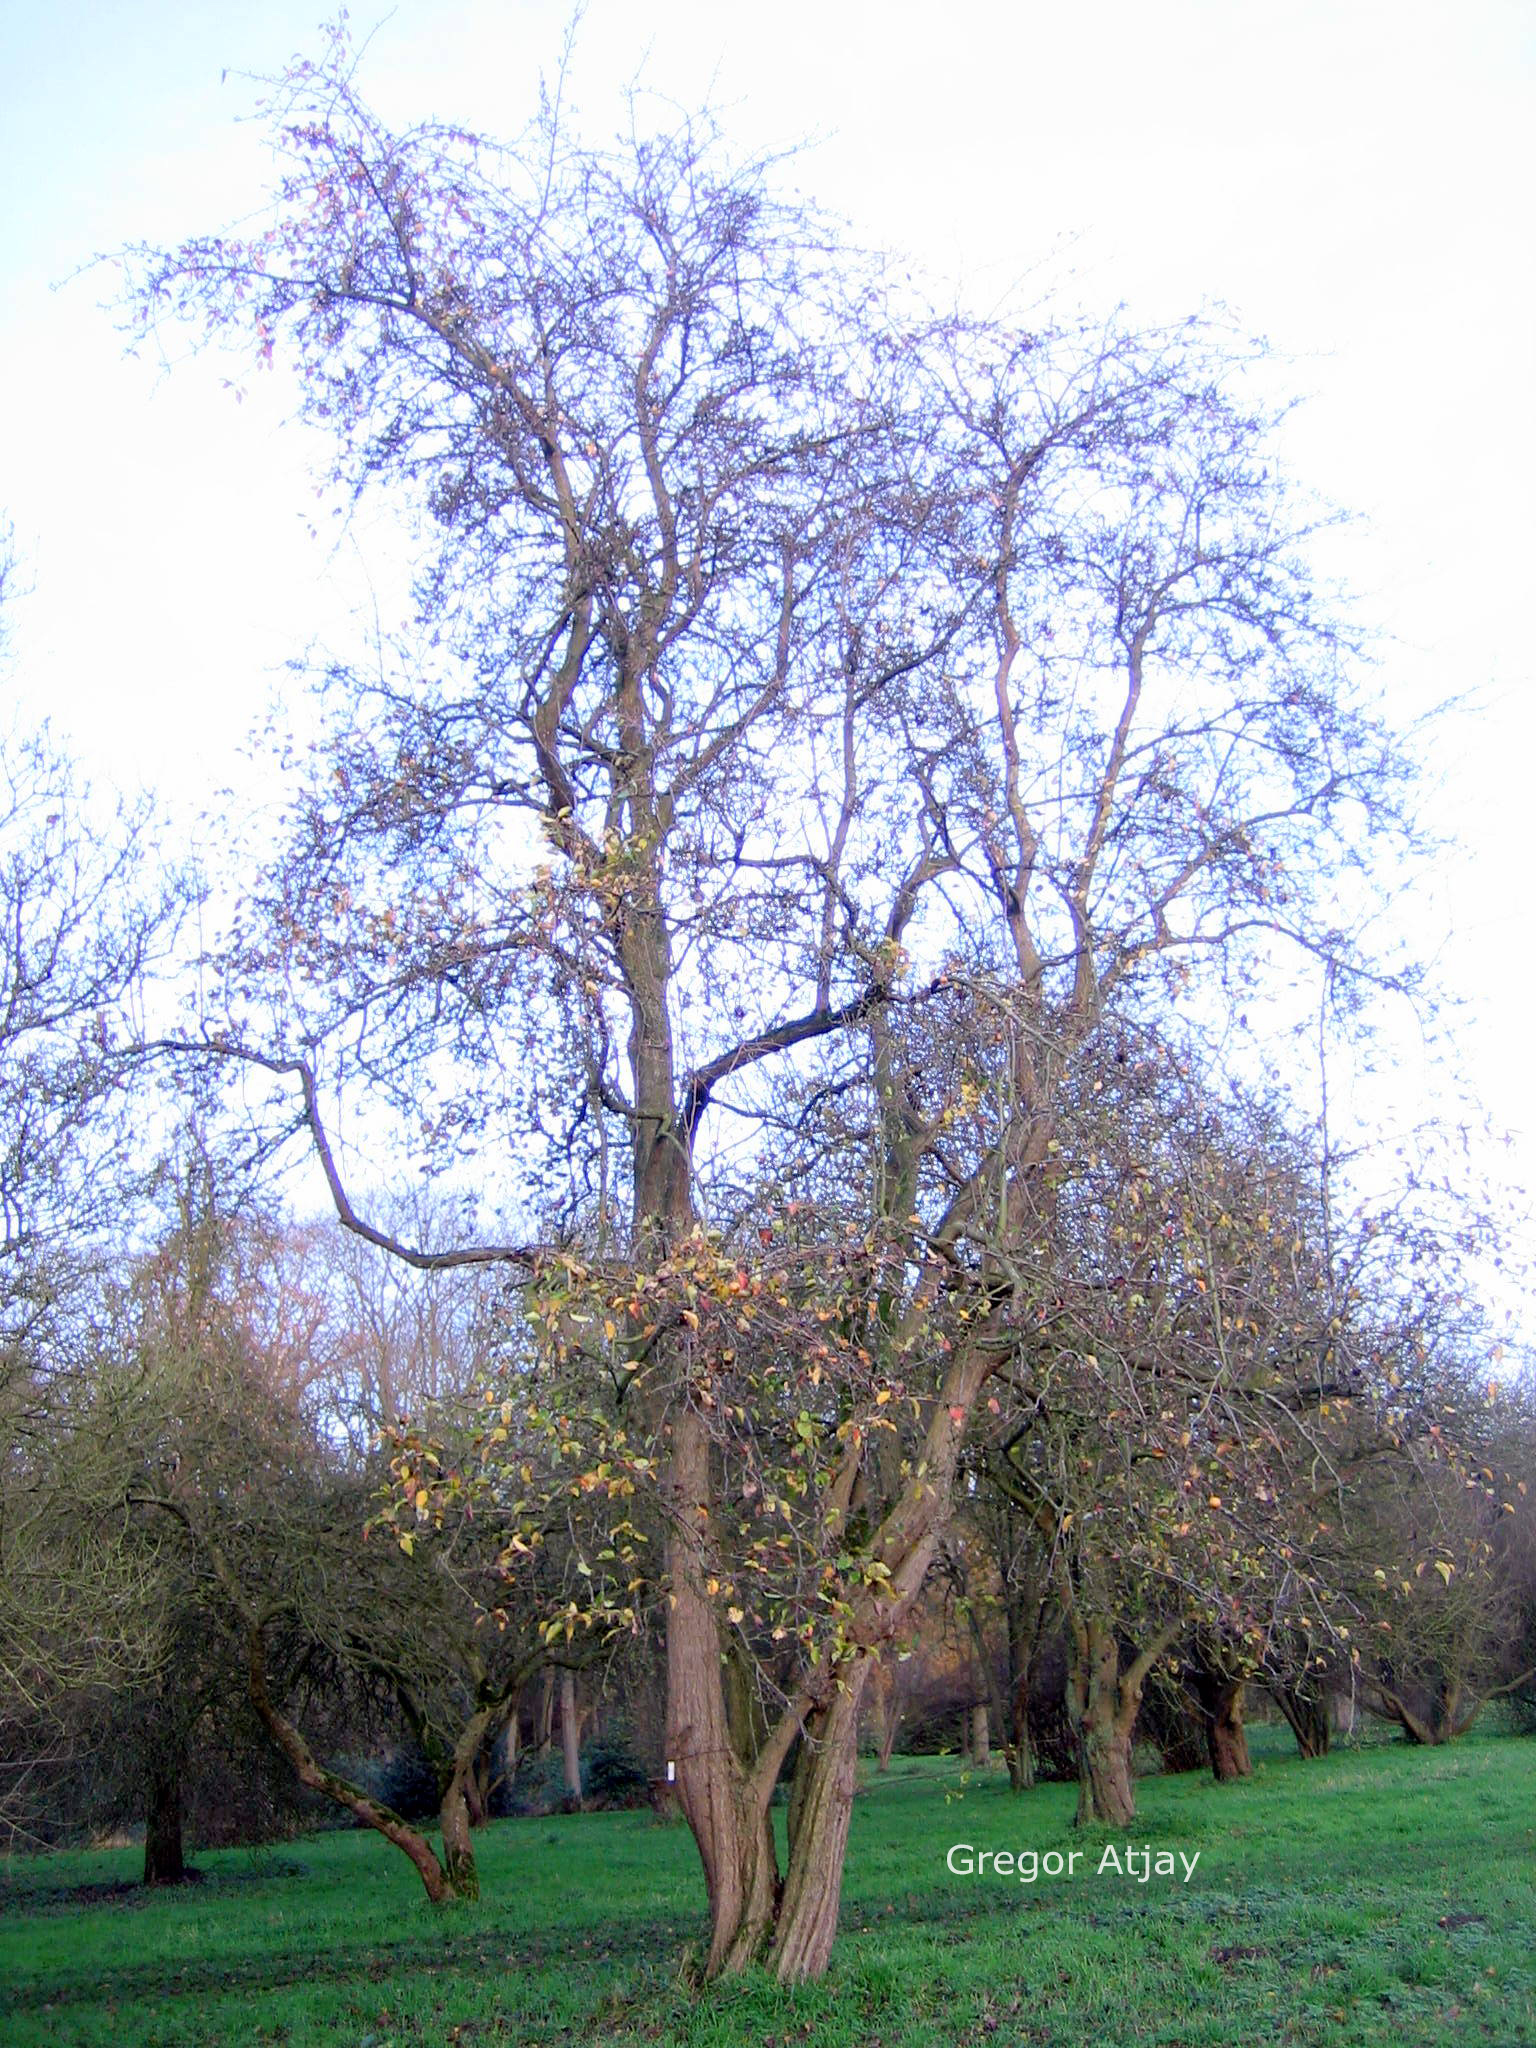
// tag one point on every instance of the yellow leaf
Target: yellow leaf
(421, 1498)
(1444, 1569)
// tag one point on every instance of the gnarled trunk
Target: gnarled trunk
(1105, 1702)
(1221, 1708)
(821, 1807)
(455, 1811)
(373, 1813)
(164, 1852)
(1443, 1718)
(1107, 1785)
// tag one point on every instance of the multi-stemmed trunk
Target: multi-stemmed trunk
(1442, 1715)
(755, 1915)
(724, 1774)
(820, 1810)
(456, 1802)
(1307, 1713)
(1105, 1702)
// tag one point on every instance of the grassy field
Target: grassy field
(1379, 1897)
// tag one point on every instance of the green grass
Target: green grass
(1378, 1899)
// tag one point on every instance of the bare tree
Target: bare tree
(822, 715)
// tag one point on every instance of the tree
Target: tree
(84, 924)
(269, 1516)
(823, 714)
(1431, 1549)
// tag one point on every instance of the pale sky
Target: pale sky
(1353, 178)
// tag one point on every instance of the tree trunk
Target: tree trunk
(544, 1733)
(164, 1854)
(1106, 1789)
(724, 1795)
(1308, 1717)
(981, 1738)
(477, 1791)
(1221, 1705)
(1105, 1703)
(735, 1843)
(454, 1813)
(570, 1736)
(1021, 1755)
(889, 1712)
(458, 1849)
(310, 1771)
(821, 1807)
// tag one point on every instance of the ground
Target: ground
(1377, 1899)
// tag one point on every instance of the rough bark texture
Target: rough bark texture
(1226, 1734)
(1220, 1698)
(709, 1773)
(1105, 1703)
(164, 1852)
(821, 1807)
(456, 1807)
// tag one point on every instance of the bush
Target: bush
(613, 1776)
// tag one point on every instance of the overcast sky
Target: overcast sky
(1353, 179)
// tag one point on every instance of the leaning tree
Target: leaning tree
(819, 714)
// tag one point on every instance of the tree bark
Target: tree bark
(164, 1852)
(1105, 1703)
(888, 1712)
(821, 1807)
(1021, 1755)
(570, 1736)
(455, 1812)
(1221, 1707)
(981, 1738)
(740, 1879)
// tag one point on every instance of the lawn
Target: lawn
(1380, 1896)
